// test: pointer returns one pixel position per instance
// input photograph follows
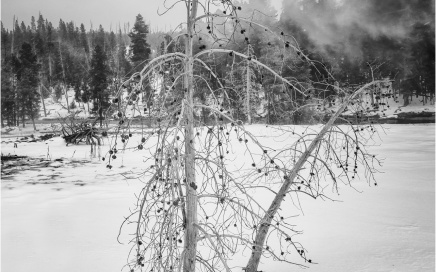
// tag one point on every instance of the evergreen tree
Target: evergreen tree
(140, 49)
(84, 39)
(27, 85)
(423, 60)
(98, 81)
(5, 44)
(71, 33)
(100, 38)
(41, 25)
(112, 42)
(17, 37)
(25, 33)
(33, 24)
(39, 45)
(62, 30)
(7, 95)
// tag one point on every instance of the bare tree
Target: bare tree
(196, 208)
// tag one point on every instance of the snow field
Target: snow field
(389, 227)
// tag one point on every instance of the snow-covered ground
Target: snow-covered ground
(56, 110)
(63, 211)
(389, 106)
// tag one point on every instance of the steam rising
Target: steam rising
(344, 22)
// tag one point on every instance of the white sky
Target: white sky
(108, 13)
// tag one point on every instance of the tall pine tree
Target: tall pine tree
(140, 49)
(27, 70)
(7, 95)
(98, 81)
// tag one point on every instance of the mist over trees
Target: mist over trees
(398, 36)
(349, 42)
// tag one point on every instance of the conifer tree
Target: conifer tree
(84, 39)
(140, 49)
(100, 38)
(5, 44)
(17, 37)
(98, 81)
(33, 24)
(7, 96)
(41, 25)
(62, 30)
(27, 70)
(25, 33)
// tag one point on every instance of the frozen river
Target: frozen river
(71, 221)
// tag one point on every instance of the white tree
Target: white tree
(193, 194)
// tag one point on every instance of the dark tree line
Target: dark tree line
(257, 94)
(42, 60)
(346, 62)
(396, 40)
(67, 57)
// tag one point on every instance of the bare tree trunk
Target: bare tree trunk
(406, 99)
(63, 74)
(50, 69)
(66, 96)
(269, 107)
(191, 232)
(16, 112)
(424, 101)
(16, 117)
(100, 111)
(33, 122)
(42, 100)
(248, 90)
